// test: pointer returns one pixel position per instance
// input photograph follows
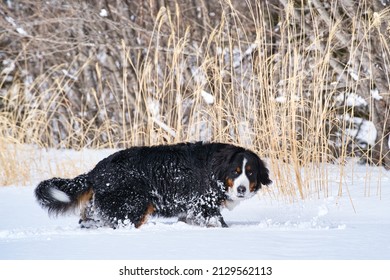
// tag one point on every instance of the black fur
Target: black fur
(185, 180)
(74, 188)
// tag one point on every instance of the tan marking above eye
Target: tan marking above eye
(238, 170)
(248, 169)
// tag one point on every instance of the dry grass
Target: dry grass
(273, 97)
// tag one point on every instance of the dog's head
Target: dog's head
(241, 171)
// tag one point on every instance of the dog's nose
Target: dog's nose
(241, 189)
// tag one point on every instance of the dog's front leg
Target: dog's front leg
(204, 212)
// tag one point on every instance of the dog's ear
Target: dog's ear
(263, 173)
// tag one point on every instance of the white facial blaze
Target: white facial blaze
(241, 181)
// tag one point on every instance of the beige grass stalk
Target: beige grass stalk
(245, 111)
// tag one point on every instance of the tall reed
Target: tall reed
(239, 84)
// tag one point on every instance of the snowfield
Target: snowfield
(354, 226)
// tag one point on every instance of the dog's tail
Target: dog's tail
(63, 195)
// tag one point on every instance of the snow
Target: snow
(375, 94)
(351, 99)
(354, 225)
(9, 67)
(153, 106)
(284, 98)
(69, 75)
(353, 74)
(208, 97)
(363, 130)
(103, 13)
(164, 126)
(250, 49)
(21, 31)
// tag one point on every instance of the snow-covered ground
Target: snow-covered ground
(354, 226)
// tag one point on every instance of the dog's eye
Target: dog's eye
(250, 173)
(237, 171)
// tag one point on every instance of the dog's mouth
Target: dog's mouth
(242, 196)
(237, 196)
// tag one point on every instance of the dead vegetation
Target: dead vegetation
(297, 81)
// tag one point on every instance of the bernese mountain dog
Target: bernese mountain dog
(191, 181)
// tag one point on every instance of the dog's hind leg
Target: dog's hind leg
(89, 217)
(149, 211)
(85, 204)
(122, 209)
